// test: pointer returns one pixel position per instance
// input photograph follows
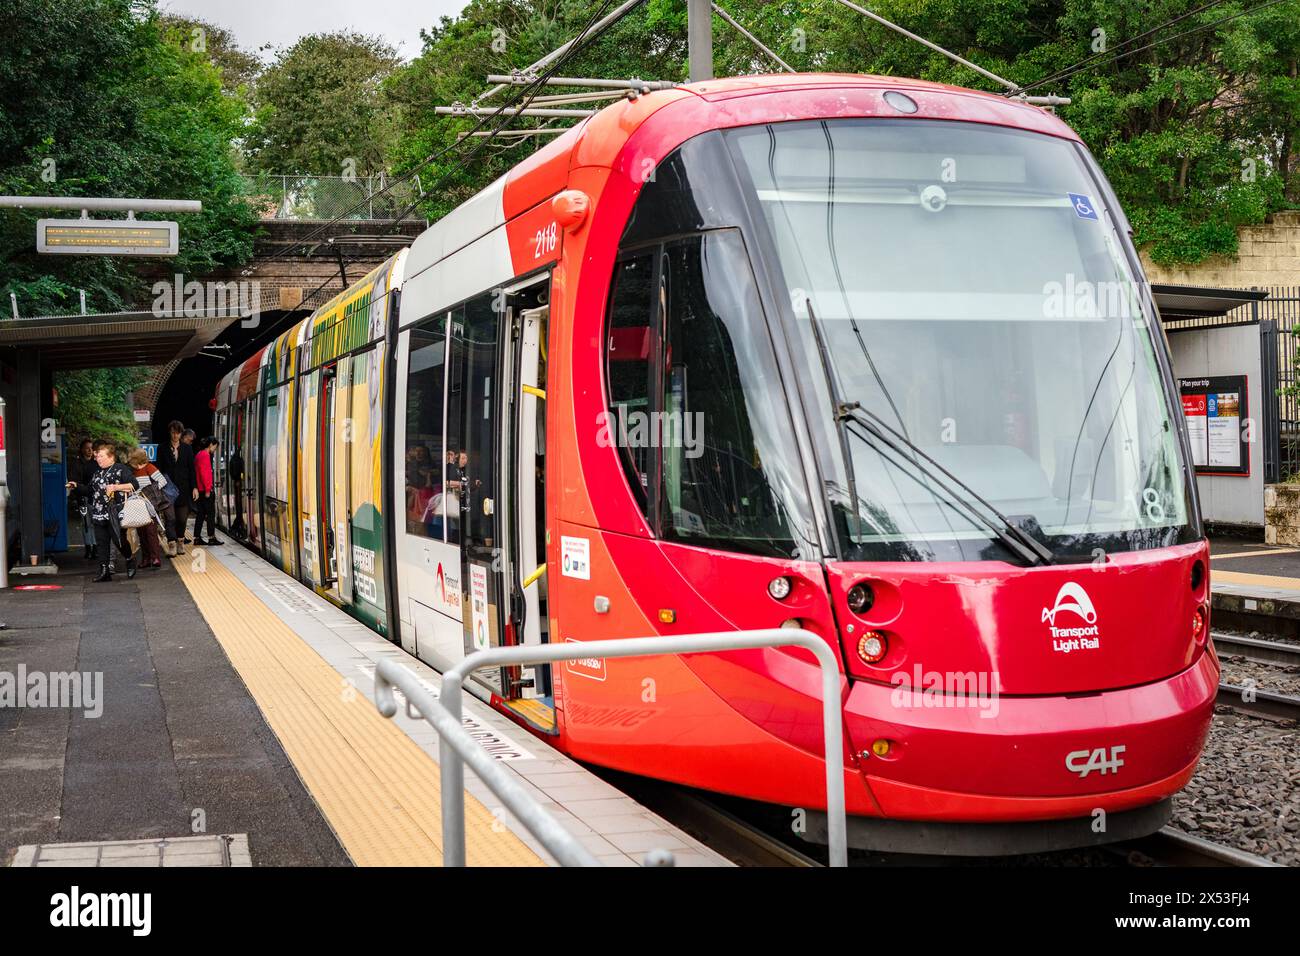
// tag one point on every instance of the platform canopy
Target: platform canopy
(1177, 302)
(114, 339)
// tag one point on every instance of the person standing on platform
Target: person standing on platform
(150, 481)
(206, 503)
(80, 470)
(236, 467)
(107, 490)
(176, 461)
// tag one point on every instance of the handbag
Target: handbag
(170, 489)
(136, 511)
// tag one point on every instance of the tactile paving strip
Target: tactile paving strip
(377, 789)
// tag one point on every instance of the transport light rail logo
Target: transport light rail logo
(1073, 598)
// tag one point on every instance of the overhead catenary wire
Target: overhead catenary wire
(751, 38)
(592, 27)
(1090, 64)
(1141, 36)
(562, 51)
(988, 74)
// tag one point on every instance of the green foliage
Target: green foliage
(1198, 134)
(101, 98)
(99, 95)
(320, 109)
(92, 403)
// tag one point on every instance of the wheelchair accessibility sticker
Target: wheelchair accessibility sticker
(1083, 207)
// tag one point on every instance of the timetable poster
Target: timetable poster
(1214, 410)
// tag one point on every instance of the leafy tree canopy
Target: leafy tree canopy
(320, 107)
(1195, 124)
(102, 98)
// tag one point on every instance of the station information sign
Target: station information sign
(106, 237)
(1215, 412)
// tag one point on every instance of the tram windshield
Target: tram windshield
(971, 292)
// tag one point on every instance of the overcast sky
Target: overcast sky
(281, 22)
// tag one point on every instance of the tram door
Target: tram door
(253, 456)
(336, 478)
(499, 473)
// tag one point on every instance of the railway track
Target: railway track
(1253, 700)
(1266, 652)
(1171, 847)
(1259, 703)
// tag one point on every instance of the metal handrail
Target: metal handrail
(454, 738)
(451, 695)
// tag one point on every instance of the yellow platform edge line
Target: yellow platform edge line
(1253, 554)
(1262, 580)
(376, 788)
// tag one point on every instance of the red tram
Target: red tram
(869, 356)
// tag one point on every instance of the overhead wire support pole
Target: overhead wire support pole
(699, 36)
(752, 39)
(559, 51)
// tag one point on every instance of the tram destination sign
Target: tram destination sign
(106, 237)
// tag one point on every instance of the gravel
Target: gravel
(1275, 678)
(1246, 790)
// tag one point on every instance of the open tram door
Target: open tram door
(499, 473)
(332, 540)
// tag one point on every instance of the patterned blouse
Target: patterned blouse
(115, 474)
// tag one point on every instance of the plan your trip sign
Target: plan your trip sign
(1216, 414)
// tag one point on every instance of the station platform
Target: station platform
(1255, 586)
(226, 718)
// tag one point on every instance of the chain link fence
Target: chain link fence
(299, 197)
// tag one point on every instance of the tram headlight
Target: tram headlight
(872, 646)
(861, 597)
(1198, 625)
(779, 588)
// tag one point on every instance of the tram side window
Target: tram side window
(723, 444)
(628, 351)
(471, 423)
(692, 383)
(424, 405)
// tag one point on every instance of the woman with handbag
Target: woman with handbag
(107, 489)
(151, 482)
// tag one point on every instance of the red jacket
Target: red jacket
(203, 472)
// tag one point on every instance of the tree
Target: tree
(92, 403)
(239, 69)
(320, 107)
(1197, 132)
(100, 100)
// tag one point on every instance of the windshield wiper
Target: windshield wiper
(1015, 538)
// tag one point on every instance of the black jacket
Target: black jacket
(81, 470)
(103, 506)
(179, 469)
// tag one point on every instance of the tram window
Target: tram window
(628, 359)
(471, 423)
(424, 407)
(720, 439)
(691, 378)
